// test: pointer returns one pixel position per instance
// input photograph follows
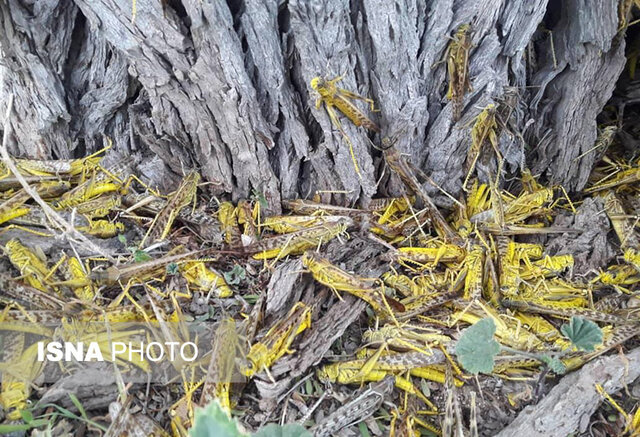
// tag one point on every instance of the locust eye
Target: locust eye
(244, 365)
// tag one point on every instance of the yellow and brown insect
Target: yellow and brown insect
(143, 270)
(338, 98)
(299, 241)
(60, 167)
(445, 253)
(407, 173)
(278, 339)
(14, 207)
(620, 176)
(363, 288)
(19, 367)
(552, 308)
(181, 198)
(31, 264)
(623, 226)
(405, 423)
(220, 373)
(205, 279)
(458, 68)
(484, 130)
(374, 366)
(207, 226)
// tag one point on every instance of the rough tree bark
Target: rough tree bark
(570, 404)
(223, 86)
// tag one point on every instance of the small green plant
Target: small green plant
(235, 275)
(139, 256)
(48, 419)
(172, 269)
(554, 364)
(476, 348)
(259, 196)
(213, 421)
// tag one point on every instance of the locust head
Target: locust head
(110, 275)
(317, 82)
(309, 258)
(322, 87)
(248, 368)
(328, 373)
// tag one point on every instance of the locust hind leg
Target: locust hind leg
(335, 291)
(26, 229)
(370, 364)
(336, 122)
(471, 166)
(130, 179)
(406, 385)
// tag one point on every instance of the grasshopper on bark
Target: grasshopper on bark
(277, 341)
(298, 242)
(366, 289)
(457, 58)
(336, 98)
(399, 165)
(180, 199)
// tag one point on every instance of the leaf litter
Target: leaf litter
(386, 318)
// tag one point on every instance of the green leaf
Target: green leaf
(251, 298)
(583, 334)
(308, 387)
(289, 430)
(122, 239)
(6, 429)
(27, 416)
(213, 421)
(364, 431)
(554, 364)
(172, 269)
(476, 348)
(235, 275)
(140, 256)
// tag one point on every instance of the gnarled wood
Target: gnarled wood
(570, 404)
(224, 87)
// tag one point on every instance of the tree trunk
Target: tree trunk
(224, 86)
